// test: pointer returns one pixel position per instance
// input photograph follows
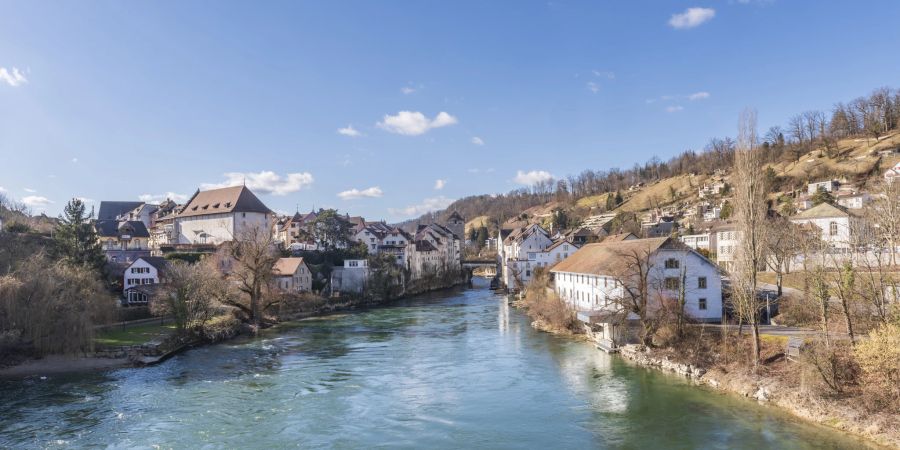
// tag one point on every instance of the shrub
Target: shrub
(219, 328)
(543, 304)
(879, 359)
(834, 366)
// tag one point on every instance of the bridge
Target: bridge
(487, 266)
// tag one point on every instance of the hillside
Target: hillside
(809, 148)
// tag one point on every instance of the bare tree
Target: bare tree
(781, 247)
(640, 295)
(253, 255)
(884, 213)
(750, 215)
(192, 294)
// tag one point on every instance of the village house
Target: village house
(115, 210)
(351, 278)
(141, 279)
(123, 242)
(220, 215)
(892, 174)
(295, 232)
(727, 239)
(292, 275)
(162, 225)
(837, 225)
(435, 249)
(702, 241)
(827, 186)
(854, 200)
(597, 279)
(518, 254)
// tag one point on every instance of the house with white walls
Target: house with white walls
(292, 275)
(598, 280)
(143, 272)
(220, 215)
(518, 254)
(836, 224)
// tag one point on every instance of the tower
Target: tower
(457, 225)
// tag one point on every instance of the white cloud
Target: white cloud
(12, 77)
(439, 184)
(353, 194)
(593, 87)
(74, 160)
(532, 177)
(29, 190)
(349, 131)
(414, 123)
(158, 198)
(605, 74)
(691, 18)
(36, 201)
(674, 108)
(427, 205)
(265, 182)
(2, 189)
(86, 200)
(698, 96)
(407, 90)
(477, 140)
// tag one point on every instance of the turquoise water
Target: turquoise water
(459, 369)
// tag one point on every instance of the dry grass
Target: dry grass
(478, 222)
(660, 193)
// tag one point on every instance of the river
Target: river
(456, 369)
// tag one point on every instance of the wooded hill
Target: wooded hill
(852, 141)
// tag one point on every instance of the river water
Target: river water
(457, 369)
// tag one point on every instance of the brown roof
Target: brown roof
(620, 237)
(822, 211)
(606, 258)
(286, 267)
(225, 200)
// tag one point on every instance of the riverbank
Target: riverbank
(778, 390)
(108, 358)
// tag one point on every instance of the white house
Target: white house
(292, 275)
(854, 201)
(836, 223)
(351, 278)
(892, 174)
(594, 280)
(435, 248)
(705, 241)
(518, 254)
(220, 215)
(727, 239)
(556, 252)
(147, 270)
(827, 186)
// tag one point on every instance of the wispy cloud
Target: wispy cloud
(349, 131)
(414, 123)
(477, 140)
(265, 182)
(406, 90)
(593, 87)
(36, 201)
(604, 74)
(532, 177)
(427, 205)
(439, 184)
(157, 198)
(674, 108)
(691, 17)
(698, 96)
(14, 77)
(477, 170)
(29, 190)
(353, 194)
(74, 160)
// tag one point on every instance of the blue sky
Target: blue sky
(118, 100)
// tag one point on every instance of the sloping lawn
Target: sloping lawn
(133, 335)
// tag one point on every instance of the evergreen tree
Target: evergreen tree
(76, 240)
(822, 196)
(482, 236)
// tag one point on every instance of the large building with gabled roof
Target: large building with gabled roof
(221, 215)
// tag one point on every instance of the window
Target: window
(701, 282)
(672, 283)
(672, 263)
(833, 228)
(701, 304)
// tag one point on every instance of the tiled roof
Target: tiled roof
(225, 200)
(110, 210)
(608, 258)
(112, 228)
(822, 211)
(286, 266)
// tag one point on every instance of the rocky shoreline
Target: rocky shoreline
(879, 428)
